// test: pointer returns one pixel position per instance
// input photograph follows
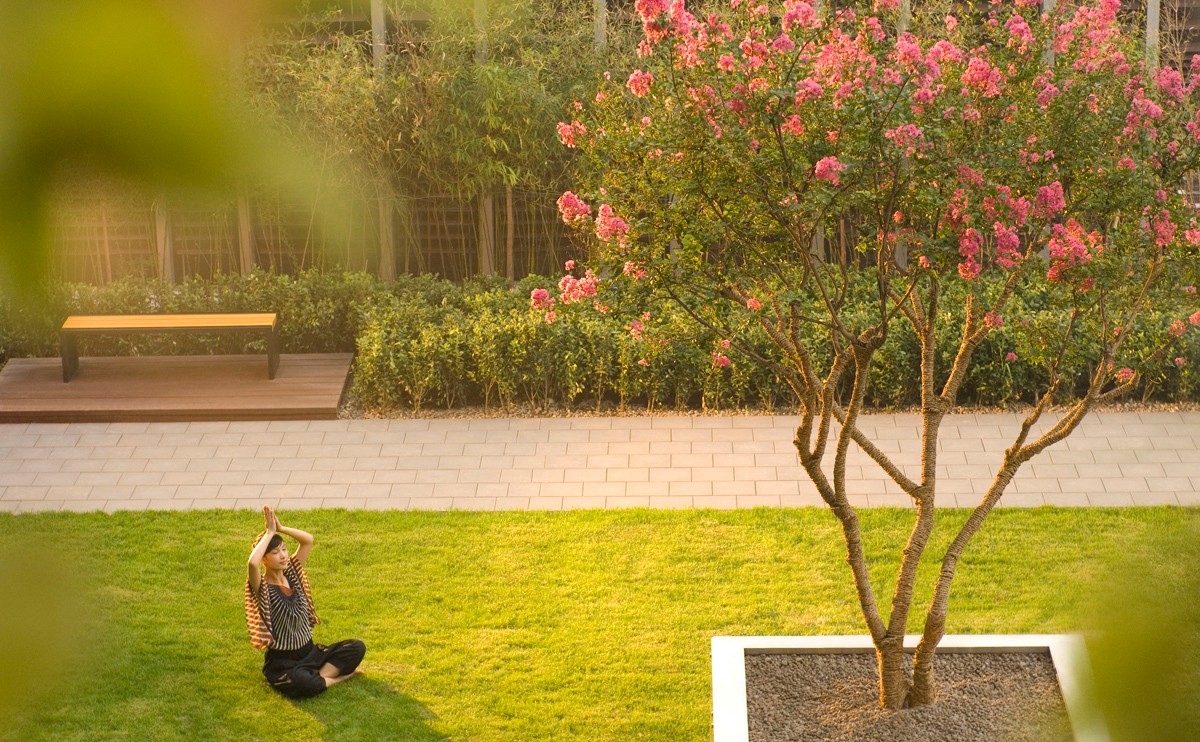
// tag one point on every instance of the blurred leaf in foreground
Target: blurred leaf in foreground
(140, 89)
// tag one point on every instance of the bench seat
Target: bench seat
(116, 324)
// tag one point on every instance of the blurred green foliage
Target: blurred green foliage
(1146, 650)
(142, 90)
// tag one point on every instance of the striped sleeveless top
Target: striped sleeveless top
(290, 628)
(276, 621)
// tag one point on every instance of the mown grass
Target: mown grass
(585, 625)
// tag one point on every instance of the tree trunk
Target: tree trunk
(894, 682)
(924, 687)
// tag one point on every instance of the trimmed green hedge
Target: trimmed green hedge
(423, 342)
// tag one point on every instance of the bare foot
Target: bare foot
(341, 678)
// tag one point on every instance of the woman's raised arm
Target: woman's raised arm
(304, 538)
(253, 573)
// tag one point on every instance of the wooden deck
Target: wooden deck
(175, 388)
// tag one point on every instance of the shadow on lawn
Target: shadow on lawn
(367, 708)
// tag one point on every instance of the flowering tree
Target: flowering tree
(1016, 160)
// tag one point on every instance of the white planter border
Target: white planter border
(1067, 652)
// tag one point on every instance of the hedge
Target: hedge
(423, 342)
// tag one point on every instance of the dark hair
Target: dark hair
(275, 541)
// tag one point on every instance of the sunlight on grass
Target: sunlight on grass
(581, 625)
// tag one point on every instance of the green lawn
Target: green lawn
(587, 625)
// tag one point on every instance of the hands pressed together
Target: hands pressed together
(271, 520)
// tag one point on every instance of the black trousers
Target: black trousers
(297, 673)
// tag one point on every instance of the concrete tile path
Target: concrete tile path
(1127, 458)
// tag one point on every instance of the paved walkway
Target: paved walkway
(1148, 458)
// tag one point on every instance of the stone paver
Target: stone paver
(668, 461)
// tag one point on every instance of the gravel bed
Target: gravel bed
(983, 697)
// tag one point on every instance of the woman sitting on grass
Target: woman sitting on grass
(279, 611)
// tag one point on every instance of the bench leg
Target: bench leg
(272, 354)
(70, 355)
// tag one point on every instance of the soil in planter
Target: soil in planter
(982, 696)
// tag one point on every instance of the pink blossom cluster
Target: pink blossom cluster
(798, 14)
(970, 243)
(1164, 228)
(1193, 126)
(970, 176)
(827, 169)
(909, 138)
(636, 328)
(633, 270)
(1008, 245)
(1049, 201)
(982, 77)
(720, 360)
(1047, 90)
(572, 208)
(993, 321)
(651, 9)
(908, 52)
(957, 211)
(1094, 28)
(808, 89)
(568, 132)
(1125, 375)
(609, 226)
(639, 83)
(754, 50)
(654, 25)
(1143, 113)
(1070, 246)
(842, 65)
(541, 299)
(1020, 36)
(572, 289)
(1016, 209)
(1169, 82)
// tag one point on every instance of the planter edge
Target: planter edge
(1067, 652)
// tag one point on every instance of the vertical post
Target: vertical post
(378, 33)
(818, 242)
(600, 25)
(386, 203)
(245, 235)
(407, 239)
(487, 204)
(905, 16)
(1048, 55)
(387, 236)
(104, 241)
(509, 227)
(481, 24)
(1153, 8)
(487, 234)
(164, 241)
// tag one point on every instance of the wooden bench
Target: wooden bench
(111, 324)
